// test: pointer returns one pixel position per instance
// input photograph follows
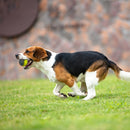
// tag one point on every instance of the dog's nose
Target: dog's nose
(17, 56)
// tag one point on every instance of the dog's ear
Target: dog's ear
(39, 53)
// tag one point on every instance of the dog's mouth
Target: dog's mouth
(30, 61)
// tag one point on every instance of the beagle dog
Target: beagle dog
(88, 67)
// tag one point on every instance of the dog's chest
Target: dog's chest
(48, 71)
(46, 68)
(50, 74)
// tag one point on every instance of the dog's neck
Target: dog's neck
(46, 66)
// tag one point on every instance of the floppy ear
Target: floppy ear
(39, 53)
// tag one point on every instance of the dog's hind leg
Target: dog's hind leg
(76, 90)
(91, 81)
(83, 89)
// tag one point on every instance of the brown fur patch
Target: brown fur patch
(115, 68)
(35, 53)
(63, 76)
(96, 65)
(101, 68)
(102, 72)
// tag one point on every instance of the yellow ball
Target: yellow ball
(23, 62)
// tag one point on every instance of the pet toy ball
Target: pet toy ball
(23, 62)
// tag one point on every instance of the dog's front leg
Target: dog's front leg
(57, 89)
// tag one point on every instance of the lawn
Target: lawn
(31, 105)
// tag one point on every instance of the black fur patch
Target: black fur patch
(78, 62)
(49, 54)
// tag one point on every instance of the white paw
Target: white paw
(88, 98)
(82, 94)
(72, 94)
(62, 95)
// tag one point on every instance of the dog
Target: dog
(88, 67)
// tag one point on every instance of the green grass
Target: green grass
(31, 105)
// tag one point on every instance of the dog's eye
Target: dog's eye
(27, 51)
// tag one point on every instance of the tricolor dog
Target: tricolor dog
(88, 67)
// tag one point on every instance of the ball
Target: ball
(23, 62)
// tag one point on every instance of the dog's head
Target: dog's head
(32, 54)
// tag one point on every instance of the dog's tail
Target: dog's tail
(119, 72)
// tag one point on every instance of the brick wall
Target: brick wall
(72, 25)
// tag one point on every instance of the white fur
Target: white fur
(124, 75)
(91, 81)
(22, 56)
(57, 89)
(46, 67)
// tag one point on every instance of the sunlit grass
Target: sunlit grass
(31, 105)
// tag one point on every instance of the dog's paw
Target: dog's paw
(62, 95)
(71, 94)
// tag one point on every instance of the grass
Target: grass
(31, 105)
